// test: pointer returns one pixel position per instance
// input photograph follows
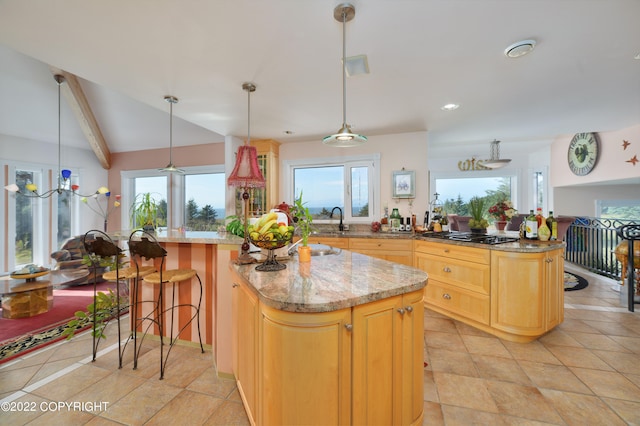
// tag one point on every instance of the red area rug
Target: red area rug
(18, 336)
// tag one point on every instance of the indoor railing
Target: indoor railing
(591, 244)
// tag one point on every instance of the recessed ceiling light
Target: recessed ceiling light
(449, 107)
(288, 132)
(637, 56)
(519, 48)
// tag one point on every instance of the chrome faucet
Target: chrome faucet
(340, 226)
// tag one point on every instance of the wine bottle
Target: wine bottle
(531, 226)
(394, 220)
(552, 224)
(539, 217)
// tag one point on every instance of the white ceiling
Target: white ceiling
(581, 77)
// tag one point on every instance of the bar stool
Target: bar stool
(102, 251)
(143, 245)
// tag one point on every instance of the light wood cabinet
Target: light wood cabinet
(338, 242)
(517, 296)
(360, 365)
(394, 250)
(527, 291)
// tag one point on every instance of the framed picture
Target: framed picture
(404, 184)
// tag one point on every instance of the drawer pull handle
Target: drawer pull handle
(349, 327)
(379, 244)
(446, 296)
(446, 250)
(446, 269)
(409, 309)
(401, 311)
(549, 259)
(234, 285)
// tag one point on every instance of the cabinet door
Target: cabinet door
(412, 357)
(555, 288)
(305, 359)
(339, 242)
(377, 362)
(518, 296)
(393, 250)
(245, 350)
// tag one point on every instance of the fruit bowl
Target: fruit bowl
(271, 240)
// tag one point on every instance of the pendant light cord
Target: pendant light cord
(170, 131)
(344, 68)
(59, 79)
(248, 142)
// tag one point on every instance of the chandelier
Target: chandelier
(64, 175)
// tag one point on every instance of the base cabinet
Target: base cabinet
(513, 295)
(361, 365)
(394, 250)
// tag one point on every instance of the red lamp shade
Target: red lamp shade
(246, 173)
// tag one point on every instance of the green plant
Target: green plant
(235, 226)
(477, 208)
(144, 211)
(302, 219)
(106, 307)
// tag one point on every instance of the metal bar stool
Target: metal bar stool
(102, 251)
(144, 245)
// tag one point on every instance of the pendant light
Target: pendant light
(246, 174)
(63, 174)
(344, 13)
(495, 162)
(170, 167)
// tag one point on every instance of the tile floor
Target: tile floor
(585, 372)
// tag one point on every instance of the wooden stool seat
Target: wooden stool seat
(171, 276)
(128, 273)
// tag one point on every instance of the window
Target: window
(618, 209)
(26, 218)
(195, 199)
(347, 183)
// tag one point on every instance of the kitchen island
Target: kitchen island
(513, 290)
(338, 340)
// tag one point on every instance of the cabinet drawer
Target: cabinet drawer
(470, 254)
(342, 243)
(379, 244)
(466, 303)
(467, 275)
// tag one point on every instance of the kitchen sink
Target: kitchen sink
(320, 250)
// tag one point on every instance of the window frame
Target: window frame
(371, 161)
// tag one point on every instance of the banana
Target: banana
(267, 226)
(266, 218)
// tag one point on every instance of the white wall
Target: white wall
(408, 150)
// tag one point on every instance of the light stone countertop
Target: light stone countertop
(195, 237)
(331, 282)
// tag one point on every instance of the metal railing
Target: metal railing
(591, 244)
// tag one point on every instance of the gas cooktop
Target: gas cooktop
(471, 237)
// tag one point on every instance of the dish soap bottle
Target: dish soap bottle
(394, 220)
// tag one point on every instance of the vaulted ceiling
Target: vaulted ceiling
(584, 74)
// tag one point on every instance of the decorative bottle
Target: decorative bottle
(394, 220)
(539, 217)
(531, 226)
(552, 224)
(543, 232)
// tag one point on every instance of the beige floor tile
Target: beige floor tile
(445, 325)
(449, 341)
(430, 388)
(460, 416)
(31, 410)
(139, 405)
(522, 401)
(13, 380)
(597, 341)
(578, 357)
(181, 369)
(532, 351)
(432, 414)
(486, 346)
(497, 368)
(229, 413)
(611, 328)
(553, 376)
(191, 408)
(631, 343)
(628, 410)
(579, 410)
(635, 378)
(445, 361)
(101, 421)
(463, 391)
(608, 384)
(622, 362)
(208, 382)
(71, 383)
(570, 324)
(62, 417)
(471, 331)
(558, 337)
(110, 389)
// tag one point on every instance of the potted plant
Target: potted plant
(144, 212)
(502, 212)
(303, 219)
(477, 207)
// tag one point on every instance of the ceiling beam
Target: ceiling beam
(74, 95)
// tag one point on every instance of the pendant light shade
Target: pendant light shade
(495, 162)
(344, 137)
(170, 168)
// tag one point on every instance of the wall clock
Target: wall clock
(583, 153)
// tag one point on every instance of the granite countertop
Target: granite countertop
(331, 282)
(197, 237)
(521, 246)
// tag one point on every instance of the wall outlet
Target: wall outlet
(345, 226)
